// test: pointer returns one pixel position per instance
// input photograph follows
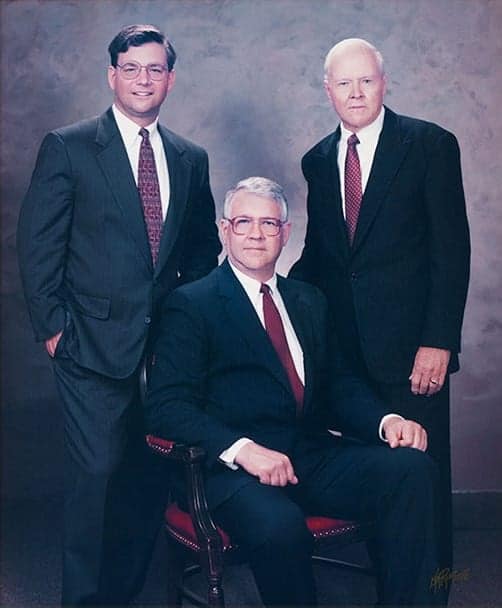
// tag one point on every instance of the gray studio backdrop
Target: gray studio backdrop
(249, 89)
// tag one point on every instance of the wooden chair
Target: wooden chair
(197, 544)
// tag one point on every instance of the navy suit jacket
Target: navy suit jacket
(403, 283)
(83, 248)
(217, 377)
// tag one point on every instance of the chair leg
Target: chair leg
(211, 562)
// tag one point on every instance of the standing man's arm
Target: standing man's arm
(308, 266)
(449, 255)
(42, 238)
(202, 245)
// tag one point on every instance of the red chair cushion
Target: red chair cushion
(179, 525)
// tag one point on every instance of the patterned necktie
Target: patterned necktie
(353, 188)
(275, 331)
(148, 187)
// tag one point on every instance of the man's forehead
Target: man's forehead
(250, 203)
(354, 59)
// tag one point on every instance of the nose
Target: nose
(356, 89)
(144, 75)
(256, 230)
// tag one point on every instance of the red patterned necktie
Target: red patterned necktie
(353, 187)
(275, 331)
(149, 191)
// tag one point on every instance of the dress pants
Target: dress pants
(433, 413)
(115, 490)
(395, 488)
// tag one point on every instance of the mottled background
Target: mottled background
(249, 89)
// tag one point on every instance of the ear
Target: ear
(171, 79)
(327, 88)
(112, 75)
(286, 231)
(224, 227)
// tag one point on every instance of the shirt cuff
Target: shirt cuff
(382, 422)
(227, 457)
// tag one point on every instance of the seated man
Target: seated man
(242, 370)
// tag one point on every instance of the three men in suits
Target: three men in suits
(395, 273)
(243, 369)
(95, 268)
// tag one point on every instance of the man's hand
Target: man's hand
(272, 468)
(52, 343)
(429, 370)
(405, 433)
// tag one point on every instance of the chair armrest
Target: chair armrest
(192, 458)
(175, 451)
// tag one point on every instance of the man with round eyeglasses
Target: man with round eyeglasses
(118, 213)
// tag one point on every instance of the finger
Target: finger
(424, 384)
(415, 382)
(392, 438)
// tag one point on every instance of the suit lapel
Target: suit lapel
(180, 169)
(114, 162)
(334, 222)
(245, 323)
(389, 155)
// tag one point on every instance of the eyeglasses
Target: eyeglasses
(243, 225)
(132, 70)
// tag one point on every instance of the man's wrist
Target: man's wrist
(227, 457)
(381, 433)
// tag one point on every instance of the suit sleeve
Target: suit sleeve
(42, 236)
(308, 266)
(201, 242)
(449, 245)
(354, 407)
(176, 402)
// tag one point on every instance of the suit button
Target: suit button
(353, 276)
(148, 320)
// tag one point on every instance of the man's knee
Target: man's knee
(414, 470)
(285, 529)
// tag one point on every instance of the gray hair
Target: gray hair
(353, 42)
(261, 186)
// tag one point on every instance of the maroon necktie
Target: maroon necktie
(275, 331)
(353, 187)
(149, 192)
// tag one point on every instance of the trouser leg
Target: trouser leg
(394, 488)
(111, 513)
(271, 530)
(433, 413)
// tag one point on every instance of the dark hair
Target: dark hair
(137, 35)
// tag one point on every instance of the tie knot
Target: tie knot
(265, 288)
(353, 140)
(144, 134)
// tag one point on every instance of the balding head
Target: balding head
(351, 46)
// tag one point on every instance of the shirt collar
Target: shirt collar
(129, 129)
(252, 286)
(366, 134)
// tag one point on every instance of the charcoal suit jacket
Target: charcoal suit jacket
(403, 282)
(217, 378)
(83, 248)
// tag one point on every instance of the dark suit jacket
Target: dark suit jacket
(403, 283)
(83, 248)
(217, 377)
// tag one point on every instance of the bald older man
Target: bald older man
(388, 243)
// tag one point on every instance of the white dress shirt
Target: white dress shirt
(129, 132)
(368, 141)
(252, 289)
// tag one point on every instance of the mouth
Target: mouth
(142, 93)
